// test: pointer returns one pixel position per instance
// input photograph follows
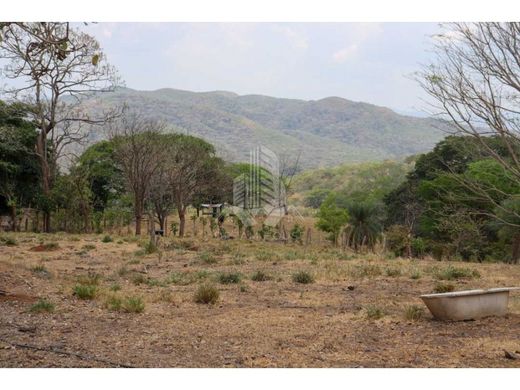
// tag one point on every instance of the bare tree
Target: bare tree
(475, 84)
(140, 150)
(60, 67)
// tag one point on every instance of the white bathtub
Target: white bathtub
(468, 304)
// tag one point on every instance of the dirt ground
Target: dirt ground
(331, 322)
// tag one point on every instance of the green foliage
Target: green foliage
(207, 294)
(85, 292)
(332, 218)
(398, 239)
(296, 233)
(365, 182)
(8, 241)
(364, 227)
(43, 305)
(107, 239)
(133, 305)
(453, 199)
(302, 277)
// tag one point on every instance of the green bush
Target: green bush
(303, 277)
(416, 274)
(207, 294)
(115, 287)
(85, 291)
(413, 312)
(8, 241)
(43, 305)
(418, 247)
(229, 278)
(107, 238)
(88, 247)
(296, 233)
(260, 276)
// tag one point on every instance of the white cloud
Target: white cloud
(296, 39)
(344, 54)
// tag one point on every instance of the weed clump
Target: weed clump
(454, 273)
(207, 258)
(365, 270)
(86, 292)
(413, 313)
(41, 271)
(90, 279)
(43, 305)
(207, 294)
(133, 305)
(303, 277)
(393, 272)
(229, 278)
(106, 239)
(443, 288)
(260, 276)
(374, 312)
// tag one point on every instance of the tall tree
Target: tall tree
(140, 149)
(193, 168)
(60, 67)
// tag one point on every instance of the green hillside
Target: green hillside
(369, 181)
(327, 132)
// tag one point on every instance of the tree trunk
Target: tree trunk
(182, 220)
(138, 220)
(13, 217)
(515, 255)
(41, 150)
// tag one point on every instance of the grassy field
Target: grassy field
(95, 300)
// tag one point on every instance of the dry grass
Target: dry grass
(258, 316)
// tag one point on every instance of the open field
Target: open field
(356, 310)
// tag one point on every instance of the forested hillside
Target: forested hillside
(326, 132)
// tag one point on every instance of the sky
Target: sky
(369, 62)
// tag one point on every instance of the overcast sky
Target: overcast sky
(370, 62)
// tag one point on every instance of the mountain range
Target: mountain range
(323, 132)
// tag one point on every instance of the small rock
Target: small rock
(511, 355)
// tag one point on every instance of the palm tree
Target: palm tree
(364, 226)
